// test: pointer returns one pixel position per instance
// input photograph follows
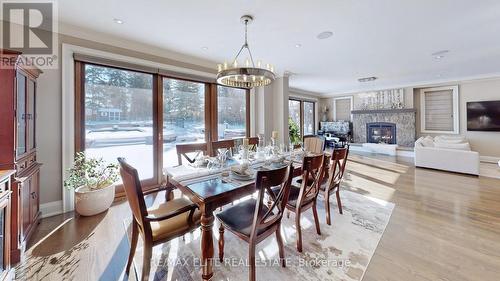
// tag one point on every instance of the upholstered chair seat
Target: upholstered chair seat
(175, 226)
(239, 218)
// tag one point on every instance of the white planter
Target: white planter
(92, 202)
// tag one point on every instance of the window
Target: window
(342, 108)
(119, 116)
(439, 112)
(231, 112)
(183, 116)
(308, 118)
(123, 110)
(294, 113)
(302, 113)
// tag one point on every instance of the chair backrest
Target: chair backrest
(337, 166)
(184, 149)
(253, 142)
(314, 144)
(312, 168)
(229, 144)
(265, 180)
(133, 190)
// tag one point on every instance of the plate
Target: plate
(242, 177)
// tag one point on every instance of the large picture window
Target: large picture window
(141, 114)
(119, 116)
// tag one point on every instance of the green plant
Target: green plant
(93, 173)
(293, 131)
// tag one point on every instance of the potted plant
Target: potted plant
(293, 131)
(93, 181)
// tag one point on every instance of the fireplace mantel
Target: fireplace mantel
(374, 111)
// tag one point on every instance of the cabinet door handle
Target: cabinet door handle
(33, 195)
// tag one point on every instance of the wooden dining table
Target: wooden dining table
(209, 193)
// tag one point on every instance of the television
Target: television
(483, 116)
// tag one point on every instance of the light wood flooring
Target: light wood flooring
(445, 226)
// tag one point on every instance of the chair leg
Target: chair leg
(133, 245)
(316, 219)
(338, 201)
(281, 248)
(299, 232)
(221, 242)
(146, 262)
(251, 260)
(327, 207)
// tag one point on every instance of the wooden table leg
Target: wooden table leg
(207, 243)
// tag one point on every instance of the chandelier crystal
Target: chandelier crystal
(248, 75)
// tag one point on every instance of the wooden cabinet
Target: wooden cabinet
(5, 215)
(18, 147)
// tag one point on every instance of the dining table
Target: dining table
(212, 188)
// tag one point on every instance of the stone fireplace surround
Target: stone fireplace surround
(403, 118)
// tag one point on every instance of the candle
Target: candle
(245, 142)
(275, 134)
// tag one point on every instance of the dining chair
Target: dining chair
(336, 171)
(303, 197)
(314, 144)
(216, 145)
(155, 225)
(252, 220)
(253, 142)
(184, 149)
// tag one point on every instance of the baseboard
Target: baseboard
(489, 159)
(51, 209)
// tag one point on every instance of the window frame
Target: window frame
(301, 114)
(455, 110)
(351, 101)
(215, 113)
(157, 92)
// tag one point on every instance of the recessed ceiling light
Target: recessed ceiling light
(298, 45)
(440, 54)
(204, 48)
(118, 21)
(367, 79)
(324, 35)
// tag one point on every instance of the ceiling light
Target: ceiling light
(367, 79)
(324, 35)
(440, 54)
(204, 48)
(298, 45)
(118, 21)
(248, 75)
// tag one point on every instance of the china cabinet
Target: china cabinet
(18, 146)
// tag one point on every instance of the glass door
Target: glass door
(21, 115)
(31, 114)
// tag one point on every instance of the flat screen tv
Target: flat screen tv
(483, 116)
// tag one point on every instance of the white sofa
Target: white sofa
(449, 153)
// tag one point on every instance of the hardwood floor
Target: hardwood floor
(445, 226)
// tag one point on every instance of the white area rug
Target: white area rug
(342, 252)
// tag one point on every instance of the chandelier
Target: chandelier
(247, 76)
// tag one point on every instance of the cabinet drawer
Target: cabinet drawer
(22, 165)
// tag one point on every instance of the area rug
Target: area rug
(342, 251)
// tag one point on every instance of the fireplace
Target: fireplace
(381, 132)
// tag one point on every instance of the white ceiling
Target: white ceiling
(390, 39)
